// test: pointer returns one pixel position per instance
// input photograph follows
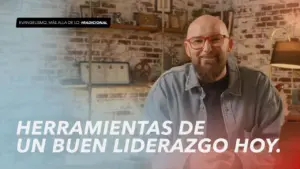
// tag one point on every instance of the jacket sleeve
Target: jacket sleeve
(269, 115)
(156, 109)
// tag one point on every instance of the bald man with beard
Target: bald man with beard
(234, 101)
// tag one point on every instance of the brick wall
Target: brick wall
(34, 60)
(254, 22)
(121, 45)
(115, 45)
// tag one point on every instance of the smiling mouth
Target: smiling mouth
(209, 60)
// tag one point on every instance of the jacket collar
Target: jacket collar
(234, 87)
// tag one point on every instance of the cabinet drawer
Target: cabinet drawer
(105, 73)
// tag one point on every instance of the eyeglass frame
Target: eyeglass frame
(205, 39)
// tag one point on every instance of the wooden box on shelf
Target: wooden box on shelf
(146, 20)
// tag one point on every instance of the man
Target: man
(234, 101)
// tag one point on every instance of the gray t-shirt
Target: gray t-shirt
(215, 122)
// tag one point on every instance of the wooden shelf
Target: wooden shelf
(132, 27)
(72, 83)
(143, 28)
(77, 83)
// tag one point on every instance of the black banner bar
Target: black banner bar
(63, 22)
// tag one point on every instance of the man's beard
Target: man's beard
(209, 70)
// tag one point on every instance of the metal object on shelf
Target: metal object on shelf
(142, 71)
(147, 20)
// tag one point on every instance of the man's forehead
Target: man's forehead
(205, 26)
(203, 30)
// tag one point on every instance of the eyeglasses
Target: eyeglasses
(199, 41)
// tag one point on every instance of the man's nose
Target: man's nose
(206, 47)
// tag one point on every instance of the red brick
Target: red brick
(284, 79)
(107, 41)
(244, 31)
(282, 23)
(296, 10)
(99, 11)
(125, 42)
(285, 11)
(141, 43)
(108, 5)
(280, 17)
(75, 52)
(133, 37)
(266, 8)
(259, 35)
(265, 51)
(261, 24)
(272, 13)
(145, 49)
(145, 38)
(157, 50)
(205, 6)
(96, 40)
(259, 46)
(249, 36)
(274, 79)
(133, 48)
(296, 79)
(96, 53)
(260, 13)
(148, 60)
(191, 4)
(117, 36)
(279, 6)
(266, 18)
(287, 91)
(177, 45)
(76, 40)
(271, 23)
(292, 5)
(152, 55)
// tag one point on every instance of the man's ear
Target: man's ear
(230, 45)
(186, 48)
